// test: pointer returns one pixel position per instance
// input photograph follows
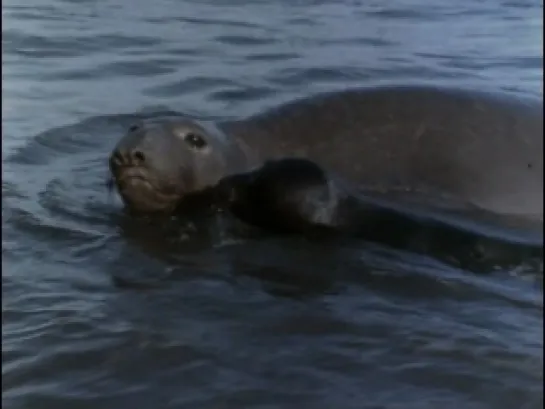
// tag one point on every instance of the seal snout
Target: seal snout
(123, 157)
(130, 170)
(129, 166)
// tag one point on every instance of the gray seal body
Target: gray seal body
(472, 148)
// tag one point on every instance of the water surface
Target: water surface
(241, 322)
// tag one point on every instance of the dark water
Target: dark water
(240, 323)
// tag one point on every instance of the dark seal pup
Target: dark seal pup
(476, 148)
(296, 196)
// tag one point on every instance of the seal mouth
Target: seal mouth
(133, 174)
(139, 192)
(134, 182)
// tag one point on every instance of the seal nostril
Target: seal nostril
(138, 155)
(133, 128)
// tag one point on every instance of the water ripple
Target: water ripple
(100, 310)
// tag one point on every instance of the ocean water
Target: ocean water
(225, 321)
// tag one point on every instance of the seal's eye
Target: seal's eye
(195, 140)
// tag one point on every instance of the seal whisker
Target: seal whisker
(109, 184)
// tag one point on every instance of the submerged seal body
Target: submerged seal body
(480, 148)
(296, 196)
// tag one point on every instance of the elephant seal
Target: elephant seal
(297, 196)
(157, 164)
(481, 148)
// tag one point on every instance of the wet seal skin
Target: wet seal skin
(479, 148)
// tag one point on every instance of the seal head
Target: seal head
(157, 164)
(290, 195)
